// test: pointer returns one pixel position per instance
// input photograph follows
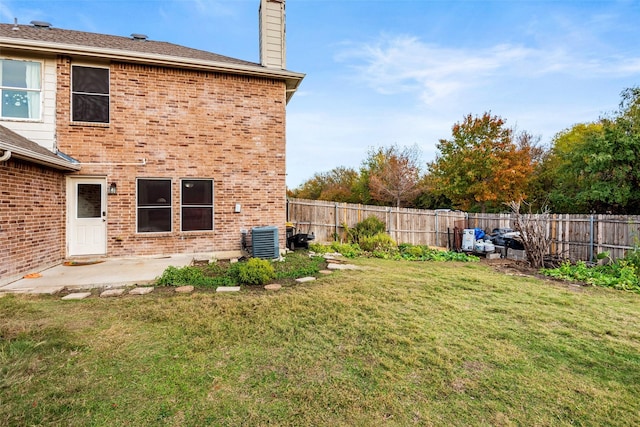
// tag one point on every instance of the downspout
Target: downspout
(6, 156)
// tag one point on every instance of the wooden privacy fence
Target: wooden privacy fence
(576, 237)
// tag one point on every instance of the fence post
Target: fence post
(591, 238)
(335, 236)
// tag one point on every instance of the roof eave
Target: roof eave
(292, 79)
(32, 156)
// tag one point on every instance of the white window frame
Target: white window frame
(211, 206)
(108, 95)
(39, 91)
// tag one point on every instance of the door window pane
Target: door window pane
(89, 201)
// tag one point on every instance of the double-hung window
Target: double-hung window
(196, 204)
(20, 89)
(89, 94)
(154, 205)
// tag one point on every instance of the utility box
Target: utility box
(468, 239)
(264, 242)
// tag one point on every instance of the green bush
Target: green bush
(346, 249)
(369, 227)
(380, 242)
(319, 248)
(256, 271)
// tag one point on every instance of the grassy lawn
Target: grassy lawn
(399, 343)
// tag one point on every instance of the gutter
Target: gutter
(291, 79)
(5, 156)
(38, 158)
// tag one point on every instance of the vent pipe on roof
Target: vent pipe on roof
(41, 24)
(272, 34)
(15, 24)
(137, 36)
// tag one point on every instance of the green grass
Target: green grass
(399, 343)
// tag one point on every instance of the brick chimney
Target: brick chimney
(272, 34)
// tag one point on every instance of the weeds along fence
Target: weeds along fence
(576, 237)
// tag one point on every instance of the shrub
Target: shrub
(319, 248)
(369, 227)
(380, 242)
(346, 249)
(256, 271)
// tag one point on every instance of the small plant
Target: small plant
(378, 242)
(256, 271)
(298, 264)
(319, 248)
(190, 275)
(346, 249)
(618, 275)
(424, 253)
(369, 227)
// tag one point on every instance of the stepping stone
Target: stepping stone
(233, 260)
(47, 290)
(325, 272)
(273, 287)
(305, 279)
(141, 291)
(76, 295)
(112, 293)
(184, 289)
(228, 289)
(342, 267)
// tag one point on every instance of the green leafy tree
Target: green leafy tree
(483, 166)
(600, 171)
(558, 176)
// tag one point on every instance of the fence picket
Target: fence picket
(570, 234)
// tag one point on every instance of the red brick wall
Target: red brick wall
(32, 218)
(186, 124)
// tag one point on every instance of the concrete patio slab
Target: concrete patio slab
(112, 273)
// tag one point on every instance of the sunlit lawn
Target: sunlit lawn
(398, 343)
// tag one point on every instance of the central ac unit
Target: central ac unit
(264, 242)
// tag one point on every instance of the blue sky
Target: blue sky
(383, 72)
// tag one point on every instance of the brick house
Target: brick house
(123, 146)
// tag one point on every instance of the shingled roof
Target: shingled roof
(47, 39)
(23, 148)
(128, 44)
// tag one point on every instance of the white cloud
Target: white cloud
(405, 64)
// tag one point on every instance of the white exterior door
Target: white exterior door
(87, 216)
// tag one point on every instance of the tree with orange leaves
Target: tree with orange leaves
(483, 166)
